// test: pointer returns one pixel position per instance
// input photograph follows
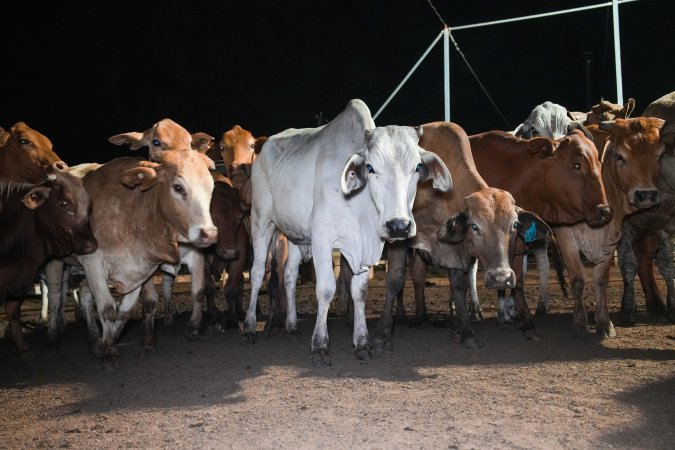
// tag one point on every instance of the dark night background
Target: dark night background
(80, 72)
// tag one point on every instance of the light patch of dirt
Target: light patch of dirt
(428, 393)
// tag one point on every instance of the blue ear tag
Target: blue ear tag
(531, 233)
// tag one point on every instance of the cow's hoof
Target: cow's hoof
(472, 343)
(580, 332)
(541, 311)
(320, 358)
(293, 334)
(362, 352)
(248, 337)
(627, 318)
(383, 344)
(110, 364)
(605, 331)
(477, 316)
(191, 333)
(533, 335)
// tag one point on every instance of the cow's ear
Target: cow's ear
(627, 109)
(544, 146)
(530, 226)
(257, 147)
(134, 139)
(354, 175)
(668, 141)
(35, 197)
(433, 167)
(454, 229)
(201, 142)
(142, 176)
(524, 131)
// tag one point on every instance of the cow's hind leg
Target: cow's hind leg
(196, 265)
(540, 249)
(168, 280)
(396, 262)
(627, 265)
(603, 325)
(126, 312)
(419, 276)
(291, 270)
(664, 261)
(463, 331)
(262, 236)
(54, 271)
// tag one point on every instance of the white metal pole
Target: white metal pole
(398, 88)
(446, 71)
(617, 52)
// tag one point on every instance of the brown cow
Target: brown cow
(38, 222)
(24, 154)
(604, 111)
(474, 220)
(142, 210)
(630, 171)
(524, 168)
(237, 147)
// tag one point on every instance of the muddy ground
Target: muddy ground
(428, 393)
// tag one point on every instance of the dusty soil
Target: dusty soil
(428, 393)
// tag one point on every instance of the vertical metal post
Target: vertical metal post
(617, 52)
(446, 71)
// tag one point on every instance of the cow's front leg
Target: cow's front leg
(628, 266)
(540, 249)
(603, 325)
(54, 271)
(525, 322)
(195, 262)
(359, 290)
(87, 307)
(13, 311)
(325, 289)
(419, 276)
(149, 336)
(396, 262)
(168, 280)
(126, 311)
(664, 261)
(464, 332)
(262, 236)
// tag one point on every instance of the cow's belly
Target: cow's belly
(123, 269)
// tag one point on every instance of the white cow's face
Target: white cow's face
(390, 167)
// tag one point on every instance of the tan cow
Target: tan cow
(604, 111)
(24, 154)
(142, 210)
(237, 148)
(630, 171)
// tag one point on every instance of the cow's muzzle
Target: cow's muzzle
(500, 279)
(205, 237)
(87, 246)
(599, 215)
(398, 228)
(645, 198)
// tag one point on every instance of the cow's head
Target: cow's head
(631, 159)
(488, 228)
(551, 121)
(577, 192)
(164, 135)
(62, 206)
(605, 111)
(28, 152)
(237, 147)
(390, 166)
(228, 212)
(185, 186)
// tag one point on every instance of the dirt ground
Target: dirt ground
(428, 393)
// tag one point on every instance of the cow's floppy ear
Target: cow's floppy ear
(201, 142)
(142, 176)
(544, 146)
(530, 226)
(454, 229)
(433, 167)
(574, 125)
(35, 197)
(257, 147)
(134, 139)
(354, 175)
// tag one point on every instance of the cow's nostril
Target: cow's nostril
(398, 228)
(646, 195)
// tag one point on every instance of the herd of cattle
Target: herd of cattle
(584, 184)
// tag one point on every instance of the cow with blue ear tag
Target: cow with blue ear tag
(358, 194)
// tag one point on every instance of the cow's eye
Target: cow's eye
(370, 168)
(156, 143)
(474, 227)
(65, 204)
(577, 166)
(418, 167)
(516, 225)
(178, 188)
(620, 158)
(23, 141)
(220, 146)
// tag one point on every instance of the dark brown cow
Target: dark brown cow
(474, 220)
(559, 180)
(37, 222)
(630, 171)
(24, 154)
